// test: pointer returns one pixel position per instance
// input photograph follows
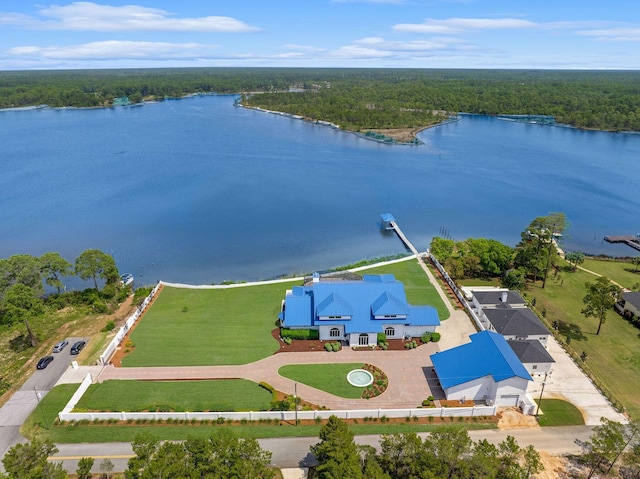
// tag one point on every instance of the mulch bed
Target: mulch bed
(122, 350)
(306, 345)
(443, 283)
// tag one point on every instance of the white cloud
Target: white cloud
(378, 47)
(618, 34)
(89, 16)
(114, 49)
(459, 25)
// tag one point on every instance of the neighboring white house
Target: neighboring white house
(356, 311)
(629, 304)
(483, 298)
(516, 323)
(486, 369)
(534, 357)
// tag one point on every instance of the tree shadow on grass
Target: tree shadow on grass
(569, 330)
(20, 343)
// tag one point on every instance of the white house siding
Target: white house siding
(540, 369)
(354, 339)
(417, 331)
(510, 391)
(325, 332)
(398, 329)
(631, 308)
(475, 389)
(481, 389)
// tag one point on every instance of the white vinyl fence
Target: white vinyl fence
(458, 293)
(105, 357)
(474, 411)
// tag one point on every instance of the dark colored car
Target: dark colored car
(44, 362)
(77, 347)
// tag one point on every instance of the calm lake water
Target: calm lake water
(200, 191)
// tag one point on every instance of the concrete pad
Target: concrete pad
(76, 376)
(294, 473)
(566, 381)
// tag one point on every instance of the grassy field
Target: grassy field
(220, 395)
(189, 327)
(53, 402)
(556, 412)
(331, 378)
(621, 272)
(614, 355)
(416, 284)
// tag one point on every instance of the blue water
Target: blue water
(200, 191)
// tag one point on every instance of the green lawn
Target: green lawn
(556, 412)
(331, 378)
(219, 395)
(53, 402)
(614, 355)
(190, 327)
(619, 271)
(416, 284)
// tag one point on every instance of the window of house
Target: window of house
(363, 340)
(390, 332)
(334, 332)
(535, 366)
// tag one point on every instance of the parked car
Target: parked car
(44, 362)
(60, 346)
(77, 347)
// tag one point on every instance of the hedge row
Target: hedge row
(300, 333)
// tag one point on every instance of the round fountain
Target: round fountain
(360, 378)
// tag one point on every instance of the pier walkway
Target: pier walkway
(629, 240)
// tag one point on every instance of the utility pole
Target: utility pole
(541, 393)
(40, 407)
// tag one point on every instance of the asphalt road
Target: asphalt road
(16, 411)
(294, 451)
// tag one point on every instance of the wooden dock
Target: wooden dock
(394, 226)
(629, 240)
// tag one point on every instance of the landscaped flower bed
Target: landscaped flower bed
(380, 382)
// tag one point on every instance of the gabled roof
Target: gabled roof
(633, 298)
(334, 305)
(488, 354)
(495, 297)
(387, 304)
(356, 299)
(530, 351)
(515, 322)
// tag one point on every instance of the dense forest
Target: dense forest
(355, 99)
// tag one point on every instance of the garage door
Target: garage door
(507, 400)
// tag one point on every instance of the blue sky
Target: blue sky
(566, 34)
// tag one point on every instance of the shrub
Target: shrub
(337, 346)
(435, 337)
(328, 347)
(300, 333)
(414, 344)
(382, 338)
(426, 337)
(109, 326)
(431, 398)
(426, 402)
(220, 420)
(185, 309)
(317, 420)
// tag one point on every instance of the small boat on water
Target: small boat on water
(126, 279)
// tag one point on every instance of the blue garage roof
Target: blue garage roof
(488, 354)
(360, 301)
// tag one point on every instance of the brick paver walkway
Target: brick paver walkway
(408, 385)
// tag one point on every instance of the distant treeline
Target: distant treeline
(355, 99)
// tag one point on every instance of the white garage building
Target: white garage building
(486, 369)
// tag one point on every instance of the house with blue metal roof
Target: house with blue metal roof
(356, 311)
(486, 369)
